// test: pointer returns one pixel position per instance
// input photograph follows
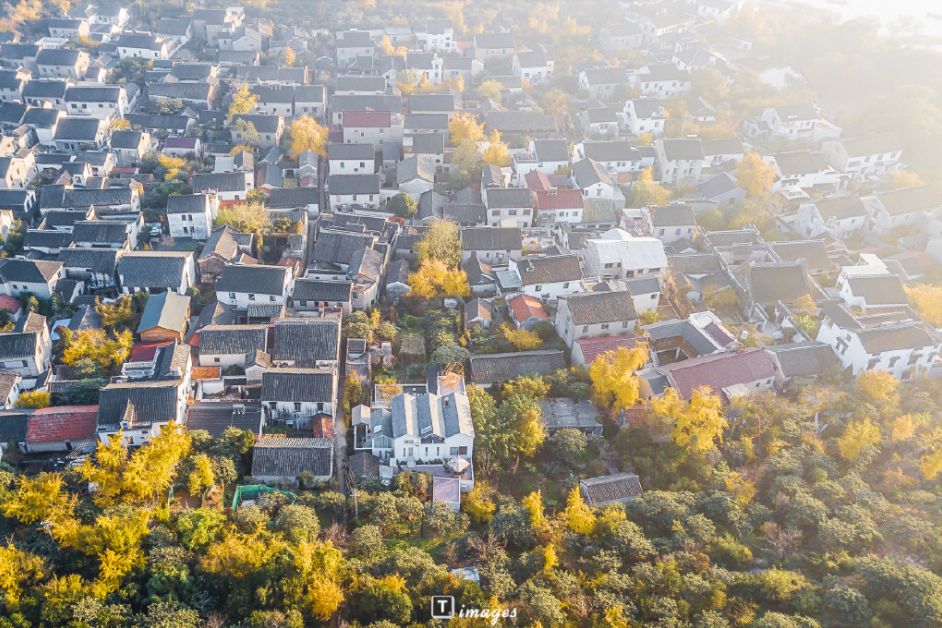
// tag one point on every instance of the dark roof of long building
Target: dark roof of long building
(306, 341)
(233, 339)
(501, 367)
(290, 457)
(253, 278)
(298, 385)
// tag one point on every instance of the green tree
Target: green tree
(403, 205)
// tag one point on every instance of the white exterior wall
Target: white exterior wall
(196, 226)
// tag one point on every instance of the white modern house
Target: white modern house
(617, 254)
(903, 348)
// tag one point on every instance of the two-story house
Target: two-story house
(296, 396)
(240, 285)
(592, 314)
(903, 348)
(191, 215)
(617, 254)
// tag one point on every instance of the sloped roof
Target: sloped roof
(550, 269)
(253, 278)
(490, 238)
(718, 371)
(770, 283)
(151, 402)
(306, 341)
(216, 416)
(607, 489)
(501, 367)
(61, 423)
(233, 339)
(153, 269)
(294, 385)
(290, 457)
(601, 307)
(167, 310)
(804, 359)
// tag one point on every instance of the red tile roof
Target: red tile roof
(594, 347)
(9, 304)
(719, 371)
(524, 307)
(550, 200)
(367, 119)
(537, 181)
(61, 423)
(145, 351)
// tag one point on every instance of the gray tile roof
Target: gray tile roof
(550, 269)
(491, 239)
(588, 172)
(904, 335)
(345, 184)
(501, 198)
(335, 246)
(298, 385)
(290, 457)
(187, 203)
(619, 487)
(153, 402)
(770, 283)
(100, 231)
(220, 182)
(306, 341)
(319, 290)
(879, 290)
(17, 345)
(233, 339)
(152, 269)
(31, 271)
(487, 369)
(601, 307)
(253, 278)
(804, 359)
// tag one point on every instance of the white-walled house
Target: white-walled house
(191, 215)
(99, 101)
(240, 285)
(670, 223)
(839, 216)
(904, 207)
(904, 348)
(617, 254)
(508, 206)
(679, 160)
(592, 314)
(295, 396)
(864, 157)
(533, 66)
(231, 345)
(36, 277)
(547, 278)
(645, 115)
(228, 186)
(351, 158)
(27, 350)
(156, 271)
(797, 123)
(417, 428)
